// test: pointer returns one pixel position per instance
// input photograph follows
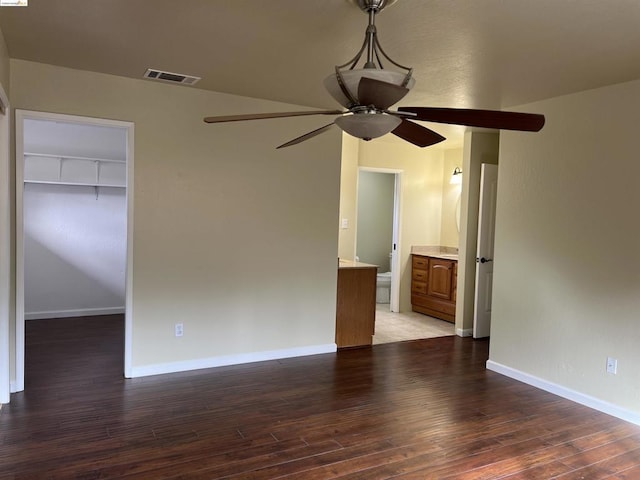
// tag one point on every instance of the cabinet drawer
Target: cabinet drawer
(419, 287)
(419, 275)
(434, 304)
(421, 263)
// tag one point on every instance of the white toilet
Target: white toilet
(383, 288)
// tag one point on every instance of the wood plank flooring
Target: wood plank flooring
(412, 410)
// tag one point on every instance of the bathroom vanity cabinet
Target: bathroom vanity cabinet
(433, 286)
(356, 304)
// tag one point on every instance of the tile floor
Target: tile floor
(398, 327)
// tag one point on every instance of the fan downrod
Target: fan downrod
(375, 6)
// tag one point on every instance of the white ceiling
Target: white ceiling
(465, 53)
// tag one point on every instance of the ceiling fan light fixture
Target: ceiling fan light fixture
(351, 79)
(368, 125)
(369, 91)
(343, 84)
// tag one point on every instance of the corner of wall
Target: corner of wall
(478, 148)
(348, 191)
(5, 65)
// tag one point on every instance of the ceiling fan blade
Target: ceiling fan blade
(417, 134)
(528, 122)
(306, 136)
(260, 116)
(379, 94)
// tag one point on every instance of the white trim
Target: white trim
(5, 249)
(464, 332)
(397, 233)
(128, 307)
(86, 312)
(19, 347)
(564, 392)
(21, 116)
(211, 362)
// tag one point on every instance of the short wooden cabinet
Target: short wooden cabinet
(356, 306)
(434, 286)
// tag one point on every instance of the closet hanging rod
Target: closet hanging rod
(70, 157)
(76, 184)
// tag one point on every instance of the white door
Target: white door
(484, 252)
(395, 258)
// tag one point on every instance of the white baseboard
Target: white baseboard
(85, 312)
(466, 332)
(564, 392)
(186, 365)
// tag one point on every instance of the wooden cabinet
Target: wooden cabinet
(356, 305)
(434, 286)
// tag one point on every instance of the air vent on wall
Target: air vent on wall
(170, 77)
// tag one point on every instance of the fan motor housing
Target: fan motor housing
(372, 5)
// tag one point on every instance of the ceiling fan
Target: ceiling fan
(367, 93)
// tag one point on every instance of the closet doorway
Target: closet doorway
(74, 178)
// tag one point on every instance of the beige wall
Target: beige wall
(567, 272)
(232, 238)
(376, 202)
(421, 202)
(4, 64)
(348, 196)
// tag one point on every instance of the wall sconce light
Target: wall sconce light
(456, 177)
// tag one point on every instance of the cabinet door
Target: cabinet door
(440, 278)
(356, 306)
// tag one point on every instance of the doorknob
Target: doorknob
(485, 260)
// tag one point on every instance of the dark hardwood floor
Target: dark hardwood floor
(413, 410)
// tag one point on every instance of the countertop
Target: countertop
(352, 264)
(446, 253)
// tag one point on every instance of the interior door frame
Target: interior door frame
(394, 304)
(486, 238)
(21, 116)
(5, 247)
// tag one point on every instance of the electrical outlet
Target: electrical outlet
(612, 365)
(179, 329)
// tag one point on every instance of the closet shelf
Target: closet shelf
(71, 157)
(53, 169)
(76, 184)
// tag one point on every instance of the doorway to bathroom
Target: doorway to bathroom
(377, 230)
